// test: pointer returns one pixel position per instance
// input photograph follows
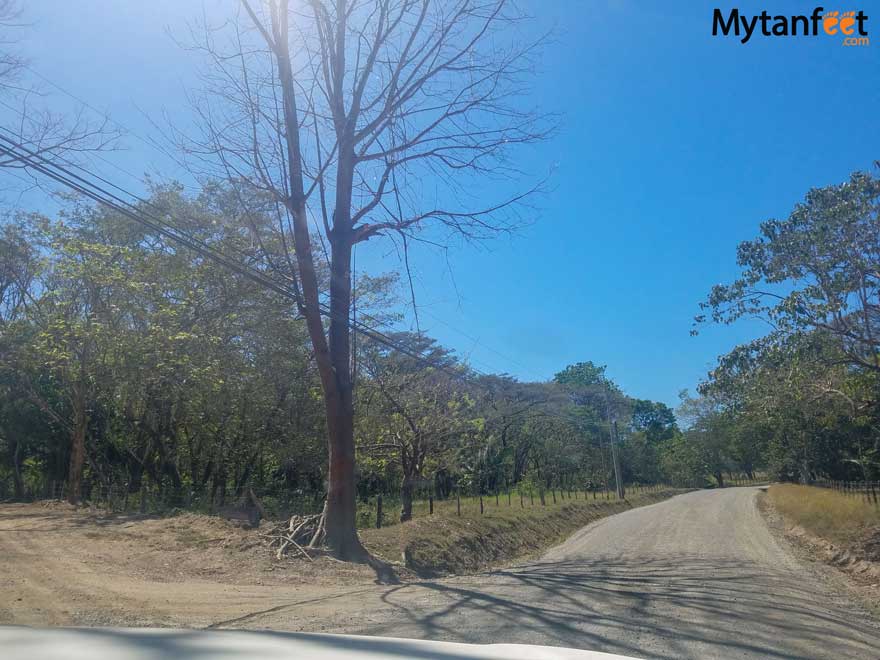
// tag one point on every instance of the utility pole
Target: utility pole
(621, 491)
(613, 438)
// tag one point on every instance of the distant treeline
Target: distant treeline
(130, 363)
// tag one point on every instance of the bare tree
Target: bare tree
(365, 118)
(10, 62)
(27, 121)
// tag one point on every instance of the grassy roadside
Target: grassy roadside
(847, 522)
(446, 543)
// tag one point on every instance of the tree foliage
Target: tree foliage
(804, 398)
(134, 365)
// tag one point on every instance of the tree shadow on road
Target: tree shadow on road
(670, 608)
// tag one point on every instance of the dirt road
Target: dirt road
(697, 576)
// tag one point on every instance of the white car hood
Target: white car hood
(23, 643)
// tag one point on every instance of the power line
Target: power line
(475, 340)
(101, 195)
(105, 116)
(152, 145)
(156, 220)
(89, 189)
(98, 194)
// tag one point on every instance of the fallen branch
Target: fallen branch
(289, 541)
(302, 533)
(319, 532)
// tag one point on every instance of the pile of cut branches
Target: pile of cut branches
(300, 534)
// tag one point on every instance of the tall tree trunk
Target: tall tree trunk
(244, 476)
(406, 498)
(341, 524)
(805, 466)
(17, 481)
(77, 449)
(218, 488)
(519, 465)
(332, 356)
(135, 476)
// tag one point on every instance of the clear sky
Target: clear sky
(674, 146)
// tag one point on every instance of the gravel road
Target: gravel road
(697, 576)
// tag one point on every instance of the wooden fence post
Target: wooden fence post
(430, 505)
(379, 511)
(458, 500)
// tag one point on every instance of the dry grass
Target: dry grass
(188, 545)
(826, 513)
(447, 543)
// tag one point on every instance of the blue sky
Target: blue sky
(674, 146)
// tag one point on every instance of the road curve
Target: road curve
(696, 576)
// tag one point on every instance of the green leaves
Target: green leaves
(804, 397)
(188, 371)
(817, 269)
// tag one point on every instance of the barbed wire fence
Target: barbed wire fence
(383, 509)
(867, 491)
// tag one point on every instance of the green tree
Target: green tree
(414, 415)
(815, 270)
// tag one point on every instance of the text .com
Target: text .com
(850, 25)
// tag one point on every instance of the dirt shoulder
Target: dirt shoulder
(61, 565)
(66, 566)
(849, 564)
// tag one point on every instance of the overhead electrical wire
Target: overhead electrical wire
(62, 175)
(152, 145)
(53, 170)
(89, 189)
